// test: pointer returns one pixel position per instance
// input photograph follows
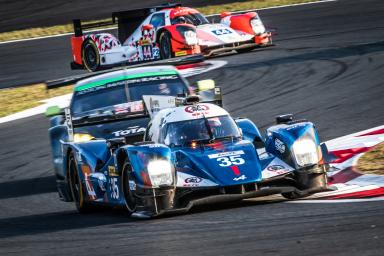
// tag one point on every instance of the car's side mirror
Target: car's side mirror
(241, 132)
(208, 92)
(283, 119)
(205, 85)
(53, 111)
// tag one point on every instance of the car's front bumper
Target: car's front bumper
(263, 40)
(222, 198)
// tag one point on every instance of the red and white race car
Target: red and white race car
(164, 32)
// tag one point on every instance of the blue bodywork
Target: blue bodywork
(100, 165)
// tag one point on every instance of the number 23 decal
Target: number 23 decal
(231, 160)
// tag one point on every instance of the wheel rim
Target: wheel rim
(90, 57)
(130, 200)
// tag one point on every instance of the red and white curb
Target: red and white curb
(352, 185)
(64, 100)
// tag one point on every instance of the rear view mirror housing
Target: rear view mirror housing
(53, 111)
(204, 85)
(208, 92)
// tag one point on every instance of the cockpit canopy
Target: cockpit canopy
(198, 130)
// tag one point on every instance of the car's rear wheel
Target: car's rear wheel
(165, 45)
(76, 186)
(91, 56)
(128, 188)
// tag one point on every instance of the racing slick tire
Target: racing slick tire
(77, 188)
(165, 45)
(91, 56)
(130, 200)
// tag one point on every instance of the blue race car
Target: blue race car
(192, 153)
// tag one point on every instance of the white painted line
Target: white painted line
(52, 36)
(61, 101)
(333, 201)
(114, 27)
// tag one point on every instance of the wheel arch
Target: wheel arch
(121, 157)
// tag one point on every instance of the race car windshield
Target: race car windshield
(204, 129)
(106, 95)
(195, 19)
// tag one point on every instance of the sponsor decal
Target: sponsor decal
(277, 169)
(88, 183)
(112, 171)
(197, 108)
(147, 51)
(294, 126)
(181, 53)
(230, 153)
(114, 188)
(130, 107)
(242, 177)
(132, 185)
(156, 52)
(273, 168)
(279, 146)
(222, 31)
(235, 170)
(230, 160)
(151, 78)
(155, 146)
(128, 131)
(145, 42)
(193, 179)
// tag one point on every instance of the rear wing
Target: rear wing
(154, 103)
(127, 21)
(52, 84)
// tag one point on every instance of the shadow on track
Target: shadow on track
(70, 220)
(52, 222)
(27, 187)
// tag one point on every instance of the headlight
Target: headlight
(160, 172)
(257, 26)
(82, 137)
(305, 151)
(190, 37)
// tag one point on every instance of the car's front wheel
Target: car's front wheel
(128, 188)
(76, 186)
(91, 56)
(314, 182)
(165, 45)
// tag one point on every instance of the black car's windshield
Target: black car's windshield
(195, 19)
(112, 94)
(179, 133)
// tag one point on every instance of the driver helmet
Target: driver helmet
(181, 20)
(215, 126)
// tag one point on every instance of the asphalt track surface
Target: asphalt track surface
(327, 66)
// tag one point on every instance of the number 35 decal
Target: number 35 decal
(230, 160)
